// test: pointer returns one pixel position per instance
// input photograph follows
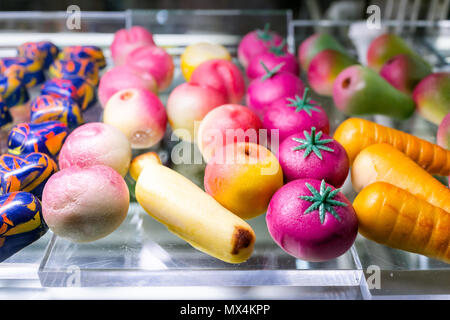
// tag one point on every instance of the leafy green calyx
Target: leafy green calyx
(278, 50)
(323, 201)
(265, 33)
(312, 143)
(303, 103)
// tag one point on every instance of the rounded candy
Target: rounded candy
(139, 114)
(47, 108)
(43, 50)
(64, 68)
(13, 91)
(94, 203)
(123, 77)
(29, 71)
(96, 143)
(21, 222)
(46, 137)
(28, 173)
(126, 40)
(93, 53)
(85, 91)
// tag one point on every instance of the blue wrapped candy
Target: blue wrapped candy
(21, 222)
(46, 137)
(67, 69)
(43, 50)
(31, 70)
(61, 88)
(13, 91)
(86, 92)
(5, 116)
(47, 108)
(92, 53)
(28, 173)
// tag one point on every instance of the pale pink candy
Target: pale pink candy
(139, 115)
(126, 40)
(153, 61)
(85, 204)
(96, 143)
(123, 77)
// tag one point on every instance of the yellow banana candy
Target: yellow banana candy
(193, 215)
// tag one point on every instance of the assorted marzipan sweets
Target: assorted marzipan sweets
(275, 154)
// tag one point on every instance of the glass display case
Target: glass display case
(144, 255)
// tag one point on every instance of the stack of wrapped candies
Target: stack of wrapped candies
(38, 128)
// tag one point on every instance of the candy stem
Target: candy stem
(278, 50)
(264, 34)
(270, 73)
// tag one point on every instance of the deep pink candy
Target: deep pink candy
(303, 234)
(328, 160)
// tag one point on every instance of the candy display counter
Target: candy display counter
(142, 253)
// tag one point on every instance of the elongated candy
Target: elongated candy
(32, 71)
(64, 68)
(61, 88)
(13, 91)
(47, 137)
(93, 53)
(5, 116)
(44, 50)
(28, 173)
(359, 90)
(21, 222)
(46, 108)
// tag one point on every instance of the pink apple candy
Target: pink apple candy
(293, 115)
(256, 42)
(123, 77)
(222, 75)
(315, 234)
(443, 133)
(312, 154)
(271, 58)
(274, 85)
(226, 124)
(188, 104)
(139, 114)
(126, 40)
(152, 60)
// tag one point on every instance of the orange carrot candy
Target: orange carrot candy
(382, 162)
(394, 217)
(355, 134)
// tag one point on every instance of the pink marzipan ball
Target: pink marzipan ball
(123, 77)
(303, 235)
(126, 40)
(154, 61)
(139, 115)
(96, 143)
(85, 204)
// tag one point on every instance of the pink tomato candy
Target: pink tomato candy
(153, 61)
(139, 115)
(188, 104)
(310, 154)
(126, 40)
(226, 124)
(443, 133)
(316, 235)
(85, 204)
(222, 75)
(255, 43)
(294, 114)
(271, 58)
(274, 85)
(123, 77)
(96, 143)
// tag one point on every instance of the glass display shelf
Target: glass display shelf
(144, 255)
